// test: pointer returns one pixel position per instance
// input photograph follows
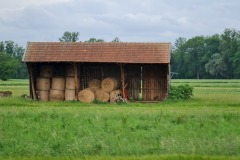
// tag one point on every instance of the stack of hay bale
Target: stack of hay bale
(70, 84)
(88, 94)
(43, 82)
(108, 87)
(63, 88)
(57, 89)
(103, 91)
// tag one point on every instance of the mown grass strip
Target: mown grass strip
(205, 80)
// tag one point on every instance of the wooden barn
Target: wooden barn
(142, 69)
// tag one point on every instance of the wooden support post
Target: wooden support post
(32, 86)
(76, 79)
(123, 80)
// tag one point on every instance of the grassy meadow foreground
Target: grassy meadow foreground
(204, 127)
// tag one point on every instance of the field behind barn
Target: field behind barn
(204, 127)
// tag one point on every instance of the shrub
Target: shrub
(181, 92)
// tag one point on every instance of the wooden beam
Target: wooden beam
(31, 77)
(76, 79)
(30, 90)
(123, 80)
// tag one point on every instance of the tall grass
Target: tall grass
(119, 131)
(204, 127)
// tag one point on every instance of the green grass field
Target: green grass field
(204, 127)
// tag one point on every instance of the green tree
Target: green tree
(116, 39)
(11, 54)
(216, 56)
(188, 56)
(95, 40)
(69, 37)
(229, 47)
(18, 51)
(179, 43)
(2, 47)
(177, 58)
(8, 66)
(9, 48)
(195, 51)
(211, 46)
(22, 69)
(236, 65)
(216, 66)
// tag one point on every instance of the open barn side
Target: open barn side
(146, 82)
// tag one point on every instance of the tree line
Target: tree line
(200, 57)
(11, 54)
(11, 61)
(74, 37)
(215, 57)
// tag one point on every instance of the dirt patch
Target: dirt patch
(5, 93)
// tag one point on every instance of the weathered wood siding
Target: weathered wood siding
(154, 82)
(133, 79)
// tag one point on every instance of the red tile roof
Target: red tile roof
(97, 52)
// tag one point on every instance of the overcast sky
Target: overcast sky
(130, 20)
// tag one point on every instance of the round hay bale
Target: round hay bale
(109, 84)
(58, 83)
(102, 95)
(86, 96)
(46, 71)
(92, 89)
(69, 94)
(70, 71)
(70, 83)
(43, 95)
(56, 95)
(43, 84)
(94, 83)
(115, 96)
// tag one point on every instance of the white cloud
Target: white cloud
(11, 8)
(130, 20)
(27, 3)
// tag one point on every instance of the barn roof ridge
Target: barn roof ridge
(102, 42)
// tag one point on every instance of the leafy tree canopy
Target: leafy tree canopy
(116, 39)
(8, 67)
(69, 37)
(95, 40)
(215, 56)
(216, 65)
(11, 61)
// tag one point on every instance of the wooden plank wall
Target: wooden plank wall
(133, 80)
(59, 69)
(154, 82)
